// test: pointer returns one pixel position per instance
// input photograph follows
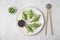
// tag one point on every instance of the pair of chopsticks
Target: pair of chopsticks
(48, 6)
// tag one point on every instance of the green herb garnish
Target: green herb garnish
(11, 10)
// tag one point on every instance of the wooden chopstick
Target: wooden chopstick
(51, 23)
(46, 23)
(48, 6)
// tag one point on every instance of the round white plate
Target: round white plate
(41, 20)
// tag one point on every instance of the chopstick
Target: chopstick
(51, 23)
(46, 23)
(48, 6)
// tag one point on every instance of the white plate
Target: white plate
(41, 20)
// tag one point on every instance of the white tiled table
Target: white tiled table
(8, 30)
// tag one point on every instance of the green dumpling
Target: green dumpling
(28, 28)
(35, 25)
(36, 18)
(24, 15)
(30, 14)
